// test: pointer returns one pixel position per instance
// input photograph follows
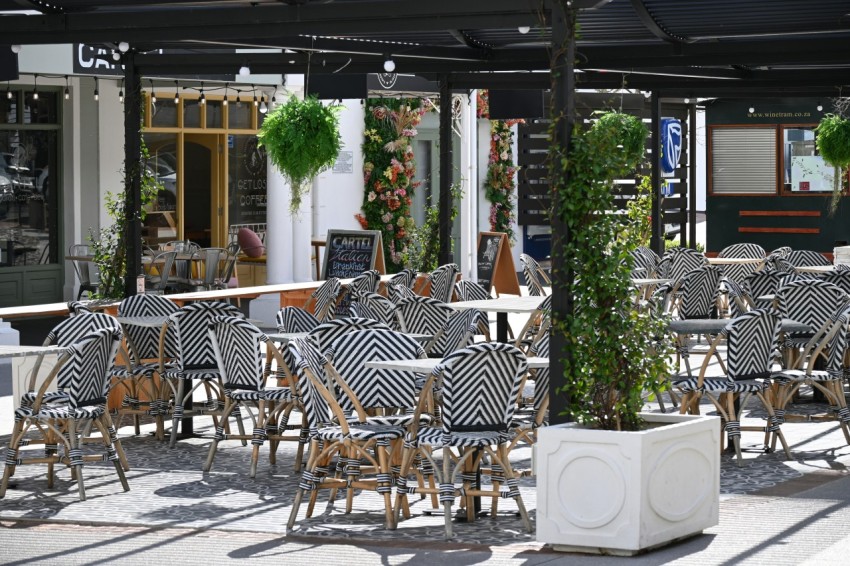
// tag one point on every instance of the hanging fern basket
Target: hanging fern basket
(833, 142)
(302, 139)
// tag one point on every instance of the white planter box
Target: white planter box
(625, 492)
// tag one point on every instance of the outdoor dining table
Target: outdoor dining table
(502, 306)
(735, 260)
(427, 365)
(286, 337)
(817, 269)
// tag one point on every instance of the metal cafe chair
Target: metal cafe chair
(85, 269)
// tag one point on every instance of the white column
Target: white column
(278, 229)
(468, 204)
(302, 230)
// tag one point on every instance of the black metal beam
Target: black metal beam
(692, 174)
(445, 199)
(132, 172)
(657, 239)
(648, 20)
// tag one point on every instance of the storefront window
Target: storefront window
(160, 222)
(28, 197)
(804, 170)
(246, 195)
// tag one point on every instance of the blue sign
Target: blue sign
(671, 144)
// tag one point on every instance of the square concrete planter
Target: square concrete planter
(626, 492)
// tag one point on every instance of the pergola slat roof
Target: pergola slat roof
(678, 46)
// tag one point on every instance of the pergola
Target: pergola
(672, 48)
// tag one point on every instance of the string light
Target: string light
(244, 71)
(224, 102)
(96, 92)
(238, 101)
(16, 48)
(263, 106)
(8, 91)
(253, 88)
(123, 47)
(121, 92)
(153, 94)
(176, 93)
(35, 87)
(67, 89)
(203, 96)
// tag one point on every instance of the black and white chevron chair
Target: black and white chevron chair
(141, 391)
(84, 370)
(396, 293)
(240, 351)
(763, 283)
(366, 282)
(374, 306)
(405, 278)
(526, 422)
(811, 302)
(739, 272)
(738, 299)
(326, 333)
(525, 337)
(535, 278)
(468, 290)
(806, 258)
(458, 332)
(194, 361)
(424, 315)
(479, 386)
(362, 451)
(294, 319)
(752, 340)
(440, 283)
(830, 344)
(78, 307)
(679, 261)
(839, 277)
(323, 300)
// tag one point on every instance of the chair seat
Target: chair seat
(49, 397)
(360, 432)
(436, 438)
(60, 412)
(723, 386)
(397, 420)
(796, 375)
(206, 374)
(272, 394)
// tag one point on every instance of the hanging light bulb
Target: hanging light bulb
(203, 96)
(67, 90)
(263, 106)
(16, 48)
(35, 87)
(244, 71)
(389, 64)
(255, 96)
(121, 92)
(224, 102)
(238, 101)
(176, 93)
(96, 93)
(8, 91)
(153, 94)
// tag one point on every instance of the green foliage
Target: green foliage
(500, 184)
(302, 140)
(109, 245)
(833, 142)
(614, 352)
(676, 243)
(424, 250)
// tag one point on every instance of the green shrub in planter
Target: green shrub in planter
(302, 140)
(833, 142)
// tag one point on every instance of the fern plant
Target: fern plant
(302, 139)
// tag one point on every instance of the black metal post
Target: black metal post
(445, 201)
(132, 171)
(692, 175)
(656, 242)
(563, 277)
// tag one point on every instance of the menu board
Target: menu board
(348, 253)
(496, 264)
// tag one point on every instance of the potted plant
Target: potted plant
(833, 142)
(615, 480)
(302, 139)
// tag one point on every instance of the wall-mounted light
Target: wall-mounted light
(123, 47)
(524, 29)
(35, 87)
(16, 48)
(67, 89)
(176, 93)
(244, 71)
(389, 64)
(96, 92)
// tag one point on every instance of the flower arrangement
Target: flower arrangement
(388, 170)
(499, 184)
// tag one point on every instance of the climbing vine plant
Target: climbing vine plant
(388, 171)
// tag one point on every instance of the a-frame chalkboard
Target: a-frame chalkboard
(348, 253)
(496, 264)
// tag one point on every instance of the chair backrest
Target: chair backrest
(164, 263)
(792, 276)
(535, 321)
(739, 300)
(374, 388)
(838, 277)
(480, 385)
(781, 251)
(764, 282)
(85, 372)
(366, 282)
(405, 278)
(397, 293)
(442, 282)
(698, 291)
(240, 351)
(541, 375)
(70, 331)
(86, 271)
(144, 340)
(210, 264)
(743, 250)
(752, 340)
(324, 335)
(679, 261)
(533, 275)
(325, 298)
(468, 290)
(294, 319)
(78, 307)
(376, 307)
(806, 258)
(810, 301)
(422, 315)
(458, 332)
(189, 326)
(309, 361)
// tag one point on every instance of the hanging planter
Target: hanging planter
(302, 139)
(833, 142)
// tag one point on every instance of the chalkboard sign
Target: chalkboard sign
(496, 264)
(348, 253)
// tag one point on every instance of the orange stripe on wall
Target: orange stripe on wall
(779, 213)
(747, 230)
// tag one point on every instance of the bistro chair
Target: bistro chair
(366, 282)
(679, 261)
(762, 283)
(194, 363)
(468, 290)
(838, 277)
(829, 344)
(535, 278)
(139, 379)
(207, 268)
(86, 269)
(240, 351)
(479, 387)
(84, 370)
(526, 421)
(374, 306)
(751, 341)
(424, 315)
(78, 307)
(326, 333)
(362, 450)
(162, 276)
(405, 278)
(442, 282)
(322, 301)
(644, 258)
(525, 337)
(739, 272)
(397, 293)
(806, 258)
